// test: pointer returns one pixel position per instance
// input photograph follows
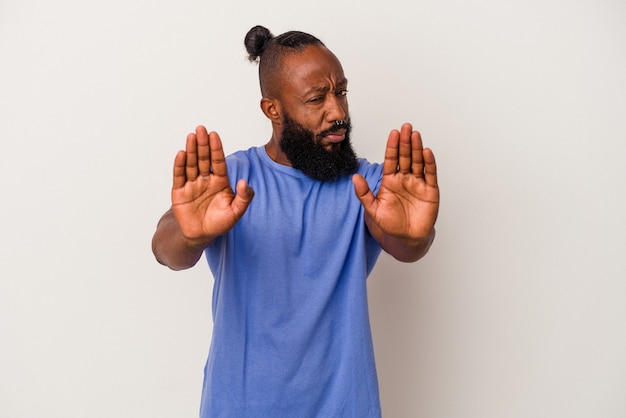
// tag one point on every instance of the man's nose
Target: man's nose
(336, 109)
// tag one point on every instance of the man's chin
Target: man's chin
(332, 147)
(325, 156)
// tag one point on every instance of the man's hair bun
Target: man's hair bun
(256, 41)
(268, 51)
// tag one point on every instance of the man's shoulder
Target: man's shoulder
(243, 159)
(366, 168)
(244, 155)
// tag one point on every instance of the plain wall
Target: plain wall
(518, 310)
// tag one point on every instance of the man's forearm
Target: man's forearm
(171, 248)
(407, 251)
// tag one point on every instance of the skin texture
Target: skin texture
(312, 90)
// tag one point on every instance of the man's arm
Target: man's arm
(171, 248)
(404, 250)
(401, 217)
(203, 204)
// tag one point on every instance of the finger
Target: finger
(204, 153)
(417, 149)
(363, 192)
(218, 160)
(405, 149)
(430, 172)
(179, 170)
(390, 166)
(191, 149)
(243, 197)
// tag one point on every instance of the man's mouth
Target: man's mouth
(333, 137)
(336, 137)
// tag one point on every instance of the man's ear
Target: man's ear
(271, 109)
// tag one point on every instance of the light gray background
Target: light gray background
(519, 309)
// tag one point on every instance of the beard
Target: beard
(304, 150)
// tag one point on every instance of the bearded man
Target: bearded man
(291, 230)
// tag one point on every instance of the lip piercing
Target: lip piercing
(340, 123)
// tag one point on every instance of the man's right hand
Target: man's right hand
(204, 205)
(203, 202)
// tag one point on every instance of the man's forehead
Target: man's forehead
(315, 66)
(324, 84)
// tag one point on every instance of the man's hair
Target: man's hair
(268, 50)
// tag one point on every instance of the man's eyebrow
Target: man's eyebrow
(317, 89)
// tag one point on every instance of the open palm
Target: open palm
(407, 203)
(203, 202)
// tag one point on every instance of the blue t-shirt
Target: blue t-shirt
(291, 333)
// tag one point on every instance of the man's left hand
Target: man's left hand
(404, 211)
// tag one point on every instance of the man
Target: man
(291, 231)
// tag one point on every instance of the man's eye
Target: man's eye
(342, 93)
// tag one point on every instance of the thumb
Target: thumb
(363, 192)
(243, 197)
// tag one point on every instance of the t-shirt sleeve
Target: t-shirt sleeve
(373, 173)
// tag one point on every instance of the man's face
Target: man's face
(313, 99)
(306, 150)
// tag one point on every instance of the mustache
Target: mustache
(339, 125)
